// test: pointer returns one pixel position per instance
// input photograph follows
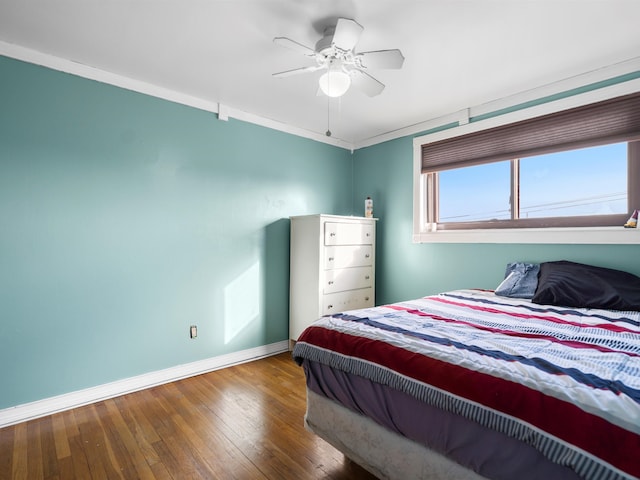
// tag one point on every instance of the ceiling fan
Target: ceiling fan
(335, 53)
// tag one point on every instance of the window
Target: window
(537, 191)
(575, 168)
(584, 182)
(473, 194)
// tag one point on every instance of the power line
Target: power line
(583, 201)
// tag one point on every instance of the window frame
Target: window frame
(425, 231)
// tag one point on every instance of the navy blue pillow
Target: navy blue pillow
(571, 284)
(521, 280)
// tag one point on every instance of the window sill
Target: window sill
(585, 235)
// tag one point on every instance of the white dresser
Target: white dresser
(332, 267)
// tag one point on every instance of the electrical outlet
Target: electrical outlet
(193, 331)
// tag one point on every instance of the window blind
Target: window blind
(614, 120)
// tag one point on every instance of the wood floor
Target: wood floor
(242, 422)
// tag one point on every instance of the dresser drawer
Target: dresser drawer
(352, 300)
(348, 256)
(347, 279)
(348, 233)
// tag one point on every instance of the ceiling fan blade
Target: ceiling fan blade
(381, 59)
(293, 45)
(366, 83)
(346, 34)
(297, 71)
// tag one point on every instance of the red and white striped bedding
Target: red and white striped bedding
(566, 381)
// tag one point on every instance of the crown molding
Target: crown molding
(580, 86)
(92, 73)
(585, 80)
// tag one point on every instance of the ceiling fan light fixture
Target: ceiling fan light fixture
(343, 67)
(334, 83)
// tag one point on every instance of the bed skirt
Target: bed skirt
(382, 452)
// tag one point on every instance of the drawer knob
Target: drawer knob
(329, 307)
(368, 234)
(331, 259)
(367, 255)
(366, 277)
(330, 282)
(332, 234)
(366, 299)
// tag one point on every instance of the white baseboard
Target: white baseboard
(59, 403)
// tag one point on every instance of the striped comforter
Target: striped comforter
(566, 381)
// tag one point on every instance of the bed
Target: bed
(537, 379)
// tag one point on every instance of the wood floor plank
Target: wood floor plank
(233, 460)
(79, 461)
(34, 450)
(19, 461)
(48, 448)
(65, 468)
(139, 409)
(60, 437)
(90, 436)
(118, 455)
(243, 422)
(99, 449)
(160, 472)
(132, 408)
(250, 421)
(133, 460)
(223, 458)
(70, 423)
(184, 461)
(6, 452)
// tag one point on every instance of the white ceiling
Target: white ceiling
(458, 54)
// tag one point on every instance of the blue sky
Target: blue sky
(577, 182)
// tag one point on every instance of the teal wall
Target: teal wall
(125, 219)
(405, 270)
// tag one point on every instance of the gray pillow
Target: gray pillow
(521, 280)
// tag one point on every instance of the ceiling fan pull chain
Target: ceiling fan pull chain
(328, 133)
